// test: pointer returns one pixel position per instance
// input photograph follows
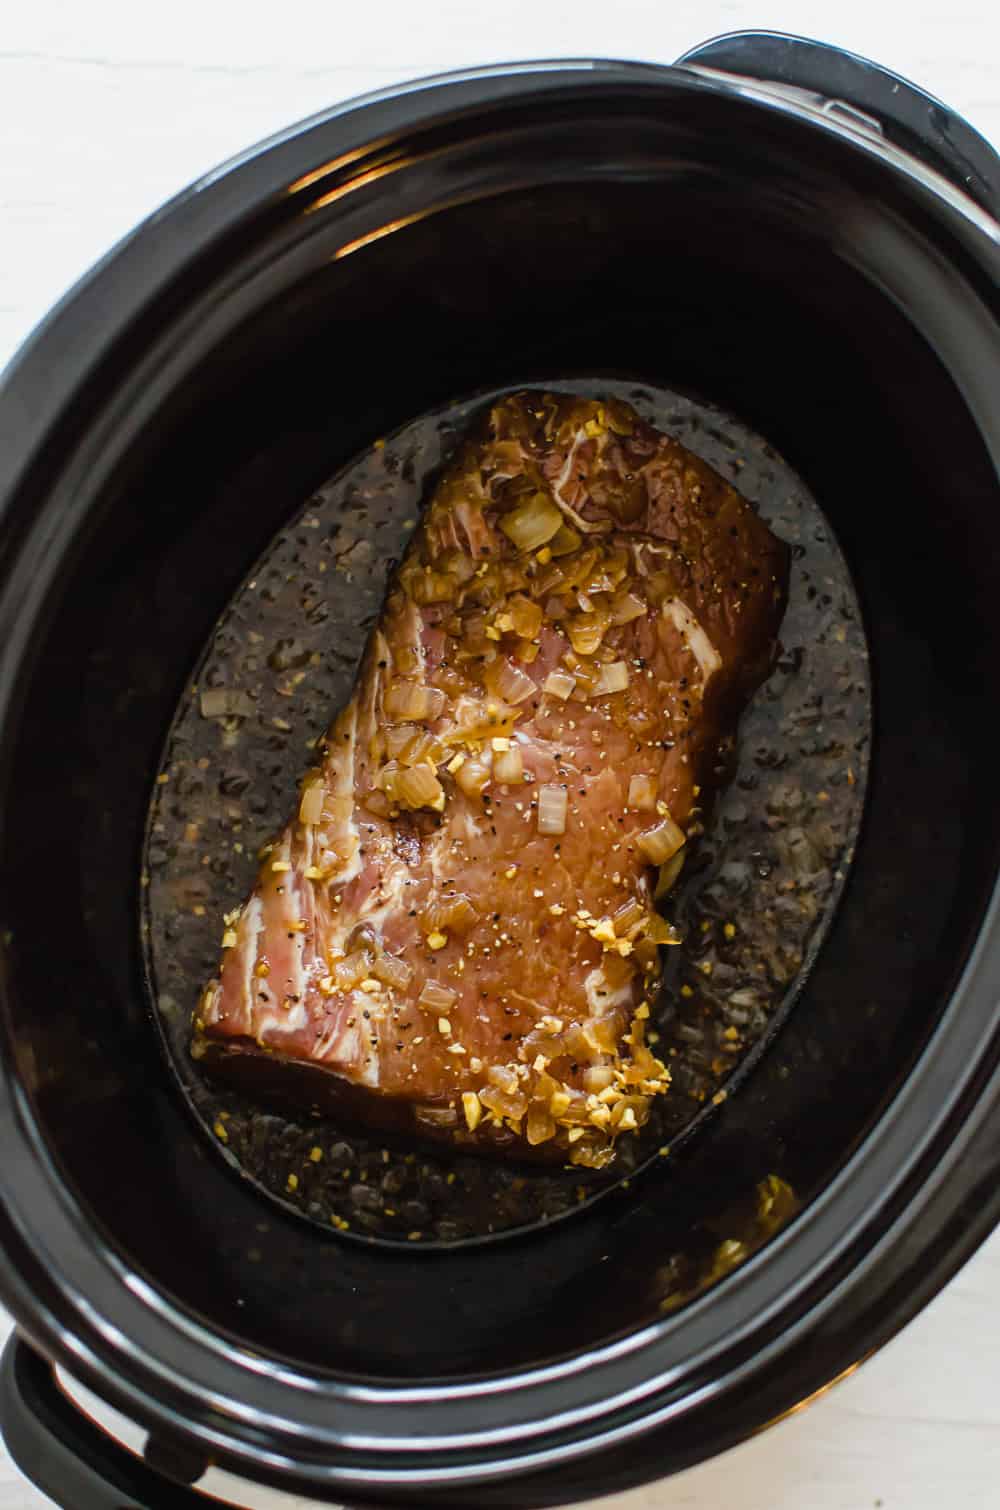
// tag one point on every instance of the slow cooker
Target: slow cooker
(784, 228)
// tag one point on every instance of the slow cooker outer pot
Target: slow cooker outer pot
(902, 1182)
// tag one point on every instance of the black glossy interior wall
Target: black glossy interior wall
(740, 285)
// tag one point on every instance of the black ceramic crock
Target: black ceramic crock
(780, 227)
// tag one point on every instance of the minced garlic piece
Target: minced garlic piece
(436, 940)
(472, 1108)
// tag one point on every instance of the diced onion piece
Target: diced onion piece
(552, 804)
(354, 968)
(540, 1125)
(509, 682)
(385, 778)
(587, 630)
(508, 765)
(627, 916)
(659, 931)
(527, 651)
(627, 607)
(662, 841)
(379, 804)
(564, 540)
(426, 751)
(474, 774)
(226, 702)
(532, 523)
(399, 737)
(392, 971)
(642, 792)
(559, 684)
(454, 914)
(668, 875)
(419, 787)
(419, 748)
(503, 1103)
(525, 616)
(311, 805)
(413, 700)
(499, 719)
(436, 998)
(612, 678)
(504, 1076)
(597, 1077)
(577, 571)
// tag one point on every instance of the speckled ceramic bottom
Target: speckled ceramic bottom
(755, 899)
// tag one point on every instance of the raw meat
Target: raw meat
(456, 935)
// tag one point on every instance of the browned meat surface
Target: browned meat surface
(456, 933)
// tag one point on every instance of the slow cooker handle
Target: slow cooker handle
(863, 94)
(64, 1454)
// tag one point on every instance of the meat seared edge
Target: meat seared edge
(456, 935)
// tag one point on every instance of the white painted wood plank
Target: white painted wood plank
(108, 108)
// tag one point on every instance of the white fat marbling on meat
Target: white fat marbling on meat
(643, 548)
(251, 925)
(340, 776)
(583, 525)
(368, 1070)
(462, 828)
(282, 1021)
(338, 1042)
(211, 1005)
(349, 1045)
(378, 904)
(698, 642)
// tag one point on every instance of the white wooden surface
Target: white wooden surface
(108, 107)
